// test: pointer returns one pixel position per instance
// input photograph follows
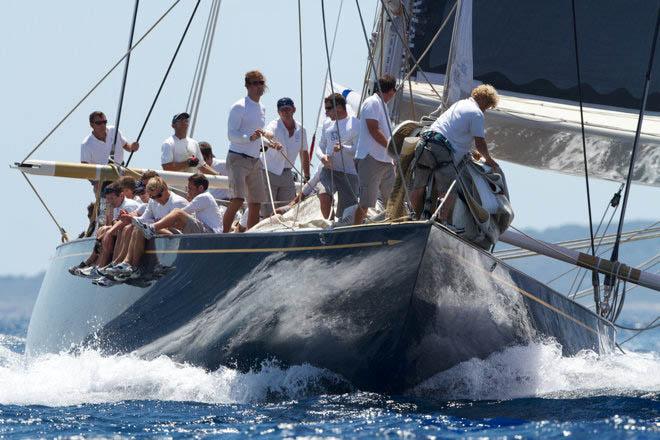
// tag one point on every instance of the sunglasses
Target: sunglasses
(103, 122)
(157, 196)
(255, 83)
(329, 108)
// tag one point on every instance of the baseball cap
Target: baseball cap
(180, 116)
(139, 188)
(284, 102)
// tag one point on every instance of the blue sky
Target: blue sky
(53, 52)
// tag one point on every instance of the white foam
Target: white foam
(64, 379)
(541, 370)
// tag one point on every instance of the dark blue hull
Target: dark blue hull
(385, 306)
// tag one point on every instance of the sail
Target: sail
(459, 72)
(525, 49)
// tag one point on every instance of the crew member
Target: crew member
(220, 167)
(97, 147)
(180, 152)
(293, 137)
(245, 129)
(336, 150)
(450, 137)
(374, 164)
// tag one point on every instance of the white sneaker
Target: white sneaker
(147, 230)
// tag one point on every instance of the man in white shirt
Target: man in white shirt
(245, 130)
(374, 164)
(220, 167)
(180, 152)
(293, 137)
(162, 203)
(201, 216)
(449, 139)
(336, 150)
(97, 147)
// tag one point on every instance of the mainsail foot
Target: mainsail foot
(106, 172)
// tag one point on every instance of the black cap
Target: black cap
(180, 116)
(285, 102)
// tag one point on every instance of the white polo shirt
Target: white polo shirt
(179, 150)
(245, 117)
(343, 161)
(155, 211)
(128, 205)
(372, 108)
(292, 146)
(96, 151)
(204, 208)
(460, 124)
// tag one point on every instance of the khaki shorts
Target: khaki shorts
(246, 179)
(283, 188)
(194, 226)
(375, 176)
(433, 158)
(344, 184)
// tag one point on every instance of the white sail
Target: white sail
(459, 78)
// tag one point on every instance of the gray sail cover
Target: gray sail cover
(525, 49)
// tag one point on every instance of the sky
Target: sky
(53, 52)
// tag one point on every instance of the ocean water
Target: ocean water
(522, 392)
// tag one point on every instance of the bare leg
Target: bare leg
(175, 219)
(253, 214)
(326, 205)
(360, 214)
(230, 213)
(107, 245)
(417, 199)
(125, 243)
(136, 249)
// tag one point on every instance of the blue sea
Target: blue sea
(522, 392)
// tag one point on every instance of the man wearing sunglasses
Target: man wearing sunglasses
(245, 130)
(182, 153)
(161, 203)
(97, 147)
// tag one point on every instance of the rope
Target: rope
(199, 56)
(302, 108)
(203, 75)
(162, 83)
(595, 281)
(98, 83)
(63, 235)
(408, 203)
(633, 154)
(123, 83)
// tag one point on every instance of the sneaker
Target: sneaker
(104, 282)
(122, 270)
(147, 230)
(75, 270)
(106, 270)
(90, 272)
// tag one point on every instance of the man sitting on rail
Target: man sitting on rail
(201, 216)
(162, 203)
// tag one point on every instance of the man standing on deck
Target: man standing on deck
(245, 130)
(182, 153)
(336, 150)
(293, 137)
(450, 137)
(374, 164)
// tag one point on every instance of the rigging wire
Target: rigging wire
(64, 237)
(162, 83)
(609, 280)
(111, 159)
(202, 49)
(595, 280)
(638, 331)
(98, 83)
(408, 202)
(203, 74)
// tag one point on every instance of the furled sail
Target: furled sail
(525, 49)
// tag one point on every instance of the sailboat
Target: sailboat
(386, 305)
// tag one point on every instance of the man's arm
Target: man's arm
(131, 147)
(176, 166)
(304, 160)
(482, 148)
(376, 133)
